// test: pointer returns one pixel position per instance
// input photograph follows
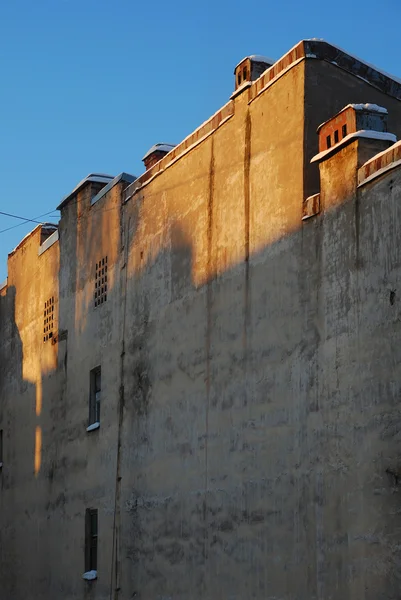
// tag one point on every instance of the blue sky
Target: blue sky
(89, 86)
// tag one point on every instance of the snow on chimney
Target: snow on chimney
(155, 154)
(251, 68)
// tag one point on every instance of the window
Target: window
(244, 73)
(90, 540)
(94, 398)
(1, 448)
(101, 281)
(328, 141)
(48, 319)
(336, 136)
(344, 131)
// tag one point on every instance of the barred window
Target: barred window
(95, 387)
(91, 539)
(101, 281)
(48, 319)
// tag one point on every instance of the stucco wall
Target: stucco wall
(250, 374)
(28, 384)
(238, 476)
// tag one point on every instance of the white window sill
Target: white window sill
(92, 428)
(90, 575)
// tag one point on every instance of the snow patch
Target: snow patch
(159, 148)
(363, 133)
(263, 59)
(370, 107)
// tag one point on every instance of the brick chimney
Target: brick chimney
(251, 68)
(346, 141)
(155, 154)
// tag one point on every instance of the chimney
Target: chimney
(250, 68)
(155, 154)
(346, 142)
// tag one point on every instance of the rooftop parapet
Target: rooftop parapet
(46, 230)
(380, 164)
(304, 50)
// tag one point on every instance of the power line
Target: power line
(17, 217)
(25, 220)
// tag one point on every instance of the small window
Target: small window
(101, 281)
(344, 130)
(48, 319)
(328, 141)
(239, 79)
(336, 136)
(245, 74)
(94, 396)
(1, 448)
(91, 539)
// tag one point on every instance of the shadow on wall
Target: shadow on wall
(32, 413)
(257, 410)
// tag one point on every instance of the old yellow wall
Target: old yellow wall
(211, 308)
(53, 468)
(28, 383)
(238, 318)
(87, 460)
(243, 447)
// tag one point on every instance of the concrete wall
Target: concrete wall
(29, 383)
(321, 78)
(238, 477)
(249, 373)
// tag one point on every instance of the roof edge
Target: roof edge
(389, 84)
(30, 233)
(362, 133)
(121, 177)
(95, 177)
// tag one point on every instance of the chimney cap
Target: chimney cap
(92, 177)
(257, 58)
(159, 148)
(373, 108)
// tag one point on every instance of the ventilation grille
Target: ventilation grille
(48, 319)
(101, 281)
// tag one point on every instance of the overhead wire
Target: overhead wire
(25, 219)
(18, 217)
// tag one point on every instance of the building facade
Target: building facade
(200, 369)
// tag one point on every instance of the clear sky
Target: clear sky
(89, 86)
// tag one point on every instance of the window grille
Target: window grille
(101, 281)
(91, 525)
(48, 319)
